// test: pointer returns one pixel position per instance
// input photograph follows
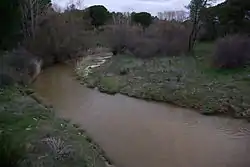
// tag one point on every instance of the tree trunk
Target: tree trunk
(190, 41)
(192, 36)
(31, 5)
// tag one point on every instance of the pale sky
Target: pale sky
(152, 6)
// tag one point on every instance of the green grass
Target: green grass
(188, 81)
(109, 85)
(48, 141)
(12, 151)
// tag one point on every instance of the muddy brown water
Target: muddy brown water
(137, 133)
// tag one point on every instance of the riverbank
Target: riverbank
(187, 81)
(31, 135)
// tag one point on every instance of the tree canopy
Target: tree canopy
(231, 16)
(98, 14)
(142, 18)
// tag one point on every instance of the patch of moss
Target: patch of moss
(109, 85)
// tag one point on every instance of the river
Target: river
(137, 133)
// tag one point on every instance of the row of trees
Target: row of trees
(173, 15)
(208, 22)
(100, 15)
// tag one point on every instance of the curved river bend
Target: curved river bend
(137, 133)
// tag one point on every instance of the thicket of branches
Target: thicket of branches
(56, 34)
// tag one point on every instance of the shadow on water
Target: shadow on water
(136, 133)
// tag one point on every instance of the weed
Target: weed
(12, 152)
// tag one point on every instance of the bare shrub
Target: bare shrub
(121, 37)
(146, 48)
(167, 38)
(172, 37)
(59, 148)
(20, 65)
(58, 37)
(232, 51)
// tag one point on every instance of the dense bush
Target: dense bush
(159, 39)
(146, 48)
(122, 37)
(232, 51)
(172, 36)
(59, 37)
(19, 65)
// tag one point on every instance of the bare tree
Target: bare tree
(57, 8)
(160, 15)
(173, 15)
(195, 8)
(121, 18)
(181, 15)
(170, 15)
(75, 4)
(31, 10)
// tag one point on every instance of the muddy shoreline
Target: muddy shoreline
(91, 141)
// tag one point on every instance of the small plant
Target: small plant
(124, 71)
(58, 147)
(11, 152)
(232, 51)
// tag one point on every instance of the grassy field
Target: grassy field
(30, 135)
(187, 81)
